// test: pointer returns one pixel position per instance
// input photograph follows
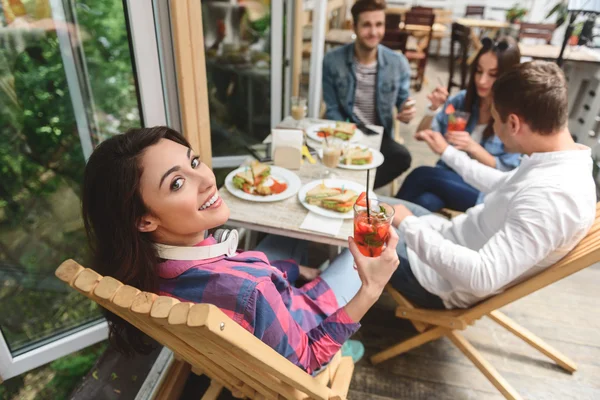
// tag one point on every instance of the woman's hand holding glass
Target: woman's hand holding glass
(375, 272)
(461, 140)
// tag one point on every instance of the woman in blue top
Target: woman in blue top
(437, 187)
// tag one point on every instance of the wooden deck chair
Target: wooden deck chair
(434, 324)
(213, 344)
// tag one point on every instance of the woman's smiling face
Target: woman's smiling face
(181, 193)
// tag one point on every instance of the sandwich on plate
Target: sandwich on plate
(344, 130)
(253, 178)
(253, 175)
(357, 156)
(342, 202)
(335, 199)
(316, 195)
(260, 172)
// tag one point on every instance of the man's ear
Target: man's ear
(514, 124)
(147, 223)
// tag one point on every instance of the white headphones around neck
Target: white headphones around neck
(227, 244)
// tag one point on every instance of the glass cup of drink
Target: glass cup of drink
(299, 109)
(457, 121)
(372, 229)
(332, 152)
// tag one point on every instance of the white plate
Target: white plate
(376, 162)
(338, 183)
(280, 174)
(313, 130)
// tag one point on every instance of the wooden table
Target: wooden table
(551, 52)
(491, 27)
(285, 217)
(483, 23)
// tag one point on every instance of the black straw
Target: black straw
(367, 192)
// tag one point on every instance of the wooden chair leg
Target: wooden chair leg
(534, 341)
(484, 366)
(398, 298)
(173, 385)
(213, 391)
(343, 376)
(409, 344)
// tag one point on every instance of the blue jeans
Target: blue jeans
(341, 276)
(435, 188)
(403, 279)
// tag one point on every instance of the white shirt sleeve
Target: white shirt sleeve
(478, 175)
(534, 228)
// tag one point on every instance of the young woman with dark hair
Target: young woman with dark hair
(146, 187)
(438, 187)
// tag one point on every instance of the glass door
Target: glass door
(244, 49)
(67, 81)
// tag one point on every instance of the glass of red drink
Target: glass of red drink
(457, 121)
(372, 230)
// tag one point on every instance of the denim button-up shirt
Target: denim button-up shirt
(339, 84)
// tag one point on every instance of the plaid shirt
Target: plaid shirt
(304, 325)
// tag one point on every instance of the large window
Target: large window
(67, 82)
(244, 52)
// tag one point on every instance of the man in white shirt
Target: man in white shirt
(531, 217)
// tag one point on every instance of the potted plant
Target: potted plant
(561, 11)
(515, 14)
(574, 39)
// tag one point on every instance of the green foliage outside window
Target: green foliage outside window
(42, 163)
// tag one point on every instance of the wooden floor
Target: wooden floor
(566, 315)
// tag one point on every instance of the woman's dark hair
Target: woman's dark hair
(508, 54)
(112, 208)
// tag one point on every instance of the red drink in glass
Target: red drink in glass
(372, 230)
(457, 121)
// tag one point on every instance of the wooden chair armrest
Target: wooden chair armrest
(341, 381)
(449, 213)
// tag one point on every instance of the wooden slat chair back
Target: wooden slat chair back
(421, 55)
(395, 39)
(433, 324)
(475, 11)
(392, 21)
(537, 31)
(422, 10)
(212, 343)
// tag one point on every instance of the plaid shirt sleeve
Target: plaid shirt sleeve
(274, 324)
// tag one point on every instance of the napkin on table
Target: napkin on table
(317, 223)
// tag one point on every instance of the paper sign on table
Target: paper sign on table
(287, 148)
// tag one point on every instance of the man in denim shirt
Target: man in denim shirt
(363, 81)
